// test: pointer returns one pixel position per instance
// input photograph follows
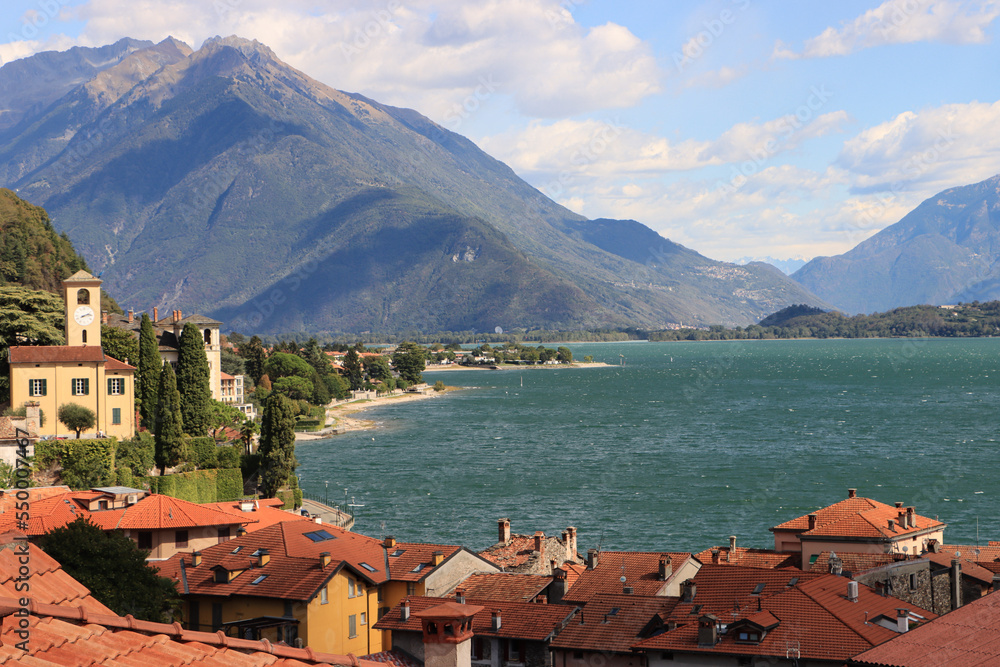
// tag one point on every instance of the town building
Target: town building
(857, 524)
(15, 430)
(531, 554)
(503, 634)
(231, 392)
(748, 557)
(78, 372)
(646, 573)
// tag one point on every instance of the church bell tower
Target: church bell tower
(82, 293)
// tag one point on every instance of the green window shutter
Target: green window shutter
(86, 386)
(31, 387)
(116, 415)
(110, 386)
(44, 388)
(72, 385)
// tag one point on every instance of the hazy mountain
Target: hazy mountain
(786, 266)
(227, 182)
(944, 251)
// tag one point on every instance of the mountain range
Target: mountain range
(224, 181)
(945, 251)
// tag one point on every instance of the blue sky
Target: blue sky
(736, 127)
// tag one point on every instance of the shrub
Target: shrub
(203, 452)
(439, 386)
(123, 477)
(136, 454)
(87, 464)
(228, 457)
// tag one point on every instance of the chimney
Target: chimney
(195, 559)
(902, 620)
(708, 632)
(560, 586)
(899, 505)
(437, 558)
(324, 559)
(504, 528)
(628, 590)
(389, 542)
(241, 531)
(934, 546)
(263, 558)
(104, 317)
(852, 591)
(911, 519)
(666, 568)
(496, 621)
(540, 542)
(892, 525)
(732, 548)
(131, 315)
(156, 313)
(592, 557)
(812, 520)
(715, 556)
(836, 564)
(180, 315)
(852, 493)
(571, 553)
(956, 584)
(406, 610)
(460, 595)
(688, 590)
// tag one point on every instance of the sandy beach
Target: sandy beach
(340, 419)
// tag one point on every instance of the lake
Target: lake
(682, 446)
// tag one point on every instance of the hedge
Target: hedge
(229, 456)
(200, 486)
(85, 463)
(203, 452)
(229, 484)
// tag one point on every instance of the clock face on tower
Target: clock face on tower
(83, 315)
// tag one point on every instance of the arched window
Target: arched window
(84, 332)
(83, 296)
(208, 336)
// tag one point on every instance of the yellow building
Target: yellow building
(78, 372)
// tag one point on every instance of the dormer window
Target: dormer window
(748, 636)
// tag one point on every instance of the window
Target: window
(102, 504)
(411, 588)
(36, 387)
(378, 591)
(84, 334)
(116, 415)
(913, 582)
(397, 553)
(81, 386)
(208, 336)
(181, 539)
(513, 651)
(319, 536)
(116, 386)
(193, 616)
(352, 625)
(236, 550)
(578, 655)
(258, 580)
(223, 535)
(350, 588)
(216, 616)
(146, 540)
(324, 597)
(367, 567)
(364, 618)
(83, 296)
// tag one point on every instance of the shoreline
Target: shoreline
(514, 367)
(340, 421)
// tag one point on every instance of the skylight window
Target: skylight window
(758, 589)
(367, 567)
(256, 553)
(793, 581)
(419, 567)
(259, 579)
(696, 609)
(319, 536)
(397, 553)
(613, 611)
(236, 550)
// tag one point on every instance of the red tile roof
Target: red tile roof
(613, 623)
(60, 636)
(47, 582)
(858, 517)
(748, 557)
(153, 512)
(48, 354)
(966, 637)
(733, 591)
(416, 560)
(814, 619)
(294, 571)
(392, 658)
(854, 563)
(265, 513)
(504, 586)
(987, 554)
(641, 571)
(112, 364)
(518, 620)
(518, 550)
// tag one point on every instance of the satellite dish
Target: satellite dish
(622, 579)
(499, 330)
(905, 549)
(958, 554)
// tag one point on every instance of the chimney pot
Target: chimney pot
(732, 546)
(688, 590)
(460, 595)
(156, 313)
(892, 525)
(666, 568)
(324, 559)
(241, 531)
(852, 493)
(715, 556)
(503, 526)
(812, 520)
(196, 559)
(592, 558)
(852, 591)
(436, 558)
(389, 542)
(497, 621)
(539, 542)
(131, 315)
(406, 610)
(898, 504)
(903, 620)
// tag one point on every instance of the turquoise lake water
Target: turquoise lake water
(684, 445)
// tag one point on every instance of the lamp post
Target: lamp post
(326, 493)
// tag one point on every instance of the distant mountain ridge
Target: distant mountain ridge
(945, 251)
(224, 181)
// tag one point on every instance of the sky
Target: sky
(739, 128)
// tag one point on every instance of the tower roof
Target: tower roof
(81, 276)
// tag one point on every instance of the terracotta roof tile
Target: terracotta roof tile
(415, 561)
(112, 364)
(641, 571)
(613, 623)
(857, 517)
(734, 591)
(853, 562)
(518, 620)
(47, 354)
(748, 557)
(517, 552)
(504, 586)
(264, 512)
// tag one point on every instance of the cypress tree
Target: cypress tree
(148, 372)
(253, 353)
(169, 434)
(193, 381)
(277, 444)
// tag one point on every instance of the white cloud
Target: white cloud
(427, 54)
(901, 22)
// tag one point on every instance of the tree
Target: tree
(114, 569)
(564, 354)
(119, 344)
(378, 369)
(147, 379)
(137, 454)
(352, 370)
(255, 356)
(27, 317)
(315, 357)
(222, 416)
(169, 432)
(410, 360)
(283, 364)
(193, 381)
(277, 444)
(248, 430)
(232, 363)
(77, 417)
(338, 386)
(294, 387)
